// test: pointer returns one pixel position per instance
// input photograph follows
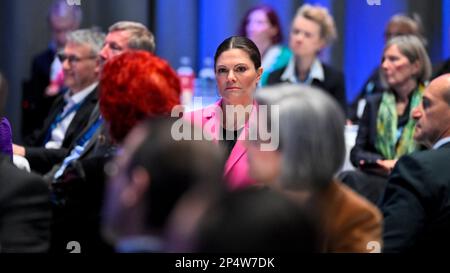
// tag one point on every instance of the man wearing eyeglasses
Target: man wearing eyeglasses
(78, 181)
(70, 113)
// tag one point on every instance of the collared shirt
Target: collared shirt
(441, 142)
(315, 72)
(58, 133)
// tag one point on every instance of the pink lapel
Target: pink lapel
(209, 119)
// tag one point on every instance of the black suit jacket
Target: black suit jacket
(79, 195)
(41, 159)
(25, 212)
(364, 148)
(334, 83)
(416, 203)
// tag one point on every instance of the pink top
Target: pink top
(236, 168)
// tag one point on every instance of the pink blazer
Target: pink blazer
(236, 167)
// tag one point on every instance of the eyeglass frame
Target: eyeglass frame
(72, 58)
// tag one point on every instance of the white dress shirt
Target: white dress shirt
(441, 142)
(315, 72)
(58, 133)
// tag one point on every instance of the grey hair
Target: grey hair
(412, 47)
(91, 37)
(140, 36)
(311, 133)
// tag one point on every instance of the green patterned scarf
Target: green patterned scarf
(386, 140)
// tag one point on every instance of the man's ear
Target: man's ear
(138, 185)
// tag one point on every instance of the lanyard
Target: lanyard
(90, 132)
(60, 117)
(78, 149)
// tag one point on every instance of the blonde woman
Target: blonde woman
(312, 30)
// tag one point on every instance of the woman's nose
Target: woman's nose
(231, 76)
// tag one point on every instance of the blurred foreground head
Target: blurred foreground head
(255, 220)
(311, 138)
(151, 176)
(134, 86)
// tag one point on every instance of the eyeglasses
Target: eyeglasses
(72, 58)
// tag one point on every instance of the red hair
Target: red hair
(134, 86)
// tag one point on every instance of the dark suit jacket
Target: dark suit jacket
(41, 159)
(334, 83)
(416, 203)
(364, 148)
(78, 195)
(35, 105)
(24, 210)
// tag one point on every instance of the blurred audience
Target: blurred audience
(46, 79)
(261, 25)
(151, 175)
(309, 125)
(81, 172)
(386, 129)
(238, 71)
(70, 112)
(312, 30)
(398, 25)
(94, 141)
(24, 199)
(134, 86)
(416, 204)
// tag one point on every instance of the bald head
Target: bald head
(433, 115)
(444, 82)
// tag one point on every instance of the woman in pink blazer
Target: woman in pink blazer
(237, 65)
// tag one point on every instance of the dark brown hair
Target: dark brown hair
(243, 43)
